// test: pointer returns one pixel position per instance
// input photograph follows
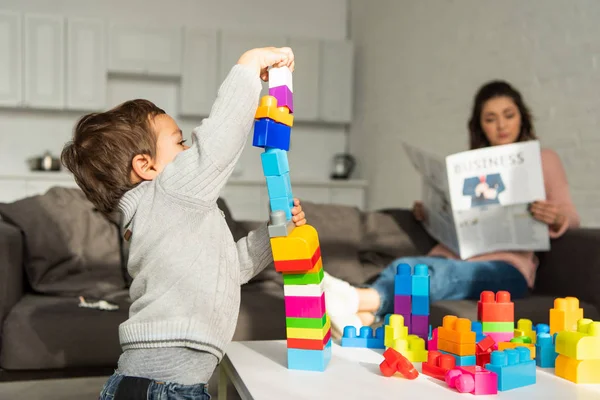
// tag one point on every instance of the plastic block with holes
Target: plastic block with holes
(268, 108)
(495, 308)
(420, 281)
(455, 336)
(525, 329)
(437, 364)
(403, 280)
(514, 368)
(365, 338)
(545, 351)
(565, 314)
(274, 162)
(583, 344)
(473, 379)
(514, 345)
(309, 360)
(270, 133)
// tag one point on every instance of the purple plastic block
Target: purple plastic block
(401, 304)
(285, 98)
(419, 325)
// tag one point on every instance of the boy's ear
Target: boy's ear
(143, 167)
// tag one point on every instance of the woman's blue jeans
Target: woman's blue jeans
(453, 280)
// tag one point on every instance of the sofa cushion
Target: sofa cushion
(70, 248)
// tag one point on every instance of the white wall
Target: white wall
(419, 64)
(25, 134)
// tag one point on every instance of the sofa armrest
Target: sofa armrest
(572, 266)
(11, 268)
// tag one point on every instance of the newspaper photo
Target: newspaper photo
(477, 201)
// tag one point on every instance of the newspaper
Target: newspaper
(477, 201)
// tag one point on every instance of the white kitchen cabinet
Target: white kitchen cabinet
(336, 81)
(44, 61)
(244, 201)
(11, 66)
(348, 196)
(199, 78)
(315, 194)
(12, 190)
(86, 64)
(233, 45)
(306, 78)
(145, 50)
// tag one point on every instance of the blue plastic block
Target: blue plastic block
(477, 327)
(514, 368)
(274, 162)
(545, 354)
(420, 281)
(309, 360)
(542, 328)
(462, 361)
(420, 305)
(268, 133)
(278, 186)
(403, 280)
(284, 204)
(364, 339)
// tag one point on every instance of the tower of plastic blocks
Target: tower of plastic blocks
(497, 315)
(296, 250)
(411, 298)
(565, 314)
(396, 337)
(579, 353)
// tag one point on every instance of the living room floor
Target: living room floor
(53, 389)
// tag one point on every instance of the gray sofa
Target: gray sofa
(43, 332)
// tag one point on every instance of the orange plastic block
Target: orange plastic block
(498, 308)
(438, 364)
(303, 265)
(300, 244)
(457, 330)
(514, 345)
(268, 109)
(584, 344)
(565, 314)
(578, 371)
(459, 349)
(525, 328)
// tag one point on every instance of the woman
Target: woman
(499, 117)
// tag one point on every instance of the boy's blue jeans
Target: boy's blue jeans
(453, 280)
(154, 391)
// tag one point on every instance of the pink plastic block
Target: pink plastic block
(473, 379)
(432, 344)
(305, 307)
(500, 337)
(284, 96)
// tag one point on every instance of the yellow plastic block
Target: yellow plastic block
(584, 344)
(300, 244)
(512, 345)
(565, 314)
(525, 328)
(413, 348)
(578, 371)
(394, 330)
(457, 330)
(308, 333)
(268, 109)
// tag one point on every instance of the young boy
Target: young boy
(186, 268)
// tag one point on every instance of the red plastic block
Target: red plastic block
(495, 309)
(473, 379)
(395, 362)
(438, 364)
(309, 344)
(298, 265)
(485, 344)
(484, 350)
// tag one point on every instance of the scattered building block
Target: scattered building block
(514, 345)
(578, 371)
(438, 364)
(456, 330)
(545, 352)
(514, 368)
(365, 338)
(565, 314)
(395, 362)
(396, 336)
(583, 344)
(498, 308)
(525, 328)
(473, 379)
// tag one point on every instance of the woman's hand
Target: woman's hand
(298, 216)
(419, 211)
(548, 213)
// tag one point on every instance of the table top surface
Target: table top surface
(258, 369)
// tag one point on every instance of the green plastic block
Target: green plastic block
(303, 279)
(315, 323)
(521, 339)
(498, 327)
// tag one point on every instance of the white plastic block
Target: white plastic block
(304, 290)
(281, 77)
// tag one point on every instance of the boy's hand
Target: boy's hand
(266, 57)
(297, 214)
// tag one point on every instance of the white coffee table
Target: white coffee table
(258, 370)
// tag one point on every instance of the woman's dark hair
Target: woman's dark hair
(489, 91)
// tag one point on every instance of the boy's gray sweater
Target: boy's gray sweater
(186, 267)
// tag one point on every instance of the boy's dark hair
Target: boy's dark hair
(103, 147)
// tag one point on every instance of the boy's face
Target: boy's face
(169, 141)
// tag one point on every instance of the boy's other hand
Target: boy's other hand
(298, 216)
(266, 57)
